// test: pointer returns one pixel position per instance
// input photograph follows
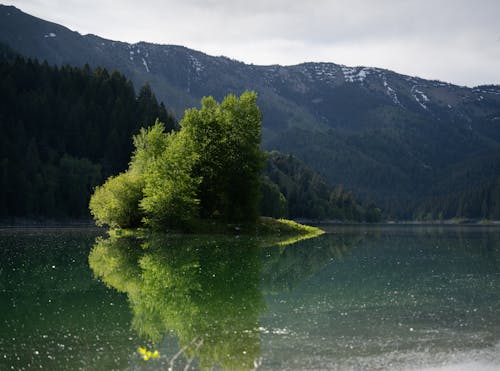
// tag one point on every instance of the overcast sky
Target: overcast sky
(456, 41)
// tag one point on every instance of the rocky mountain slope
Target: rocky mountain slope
(394, 139)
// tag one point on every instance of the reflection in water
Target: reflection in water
(405, 298)
(206, 290)
(394, 297)
(284, 268)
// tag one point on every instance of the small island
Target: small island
(201, 178)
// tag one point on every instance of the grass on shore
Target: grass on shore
(268, 230)
(284, 232)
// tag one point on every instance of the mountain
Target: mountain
(398, 140)
(64, 130)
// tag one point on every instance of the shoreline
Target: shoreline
(90, 223)
(452, 222)
(28, 223)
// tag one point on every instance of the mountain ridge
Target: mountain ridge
(391, 138)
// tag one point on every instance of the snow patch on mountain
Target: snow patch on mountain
(51, 34)
(420, 97)
(196, 64)
(312, 72)
(145, 65)
(356, 74)
(391, 92)
(422, 94)
(324, 72)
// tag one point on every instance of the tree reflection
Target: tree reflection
(208, 290)
(205, 289)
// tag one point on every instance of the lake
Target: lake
(356, 298)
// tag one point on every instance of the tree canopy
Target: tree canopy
(63, 131)
(209, 169)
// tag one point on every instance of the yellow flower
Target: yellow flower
(147, 354)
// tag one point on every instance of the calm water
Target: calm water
(397, 298)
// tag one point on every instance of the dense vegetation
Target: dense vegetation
(292, 189)
(208, 170)
(482, 202)
(411, 169)
(64, 130)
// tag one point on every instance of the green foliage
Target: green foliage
(116, 202)
(149, 144)
(170, 199)
(284, 232)
(227, 138)
(209, 169)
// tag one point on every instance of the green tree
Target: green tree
(227, 138)
(209, 168)
(170, 199)
(116, 202)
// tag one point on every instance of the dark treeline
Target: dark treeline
(63, 131)
(481, 202)
(307, 195)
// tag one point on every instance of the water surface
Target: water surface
(356, 298)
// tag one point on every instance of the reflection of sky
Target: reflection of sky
(450, 40)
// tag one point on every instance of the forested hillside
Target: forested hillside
(66, 129)
(401, 141)
(309, 195)
(482, 202)
(63, 130)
